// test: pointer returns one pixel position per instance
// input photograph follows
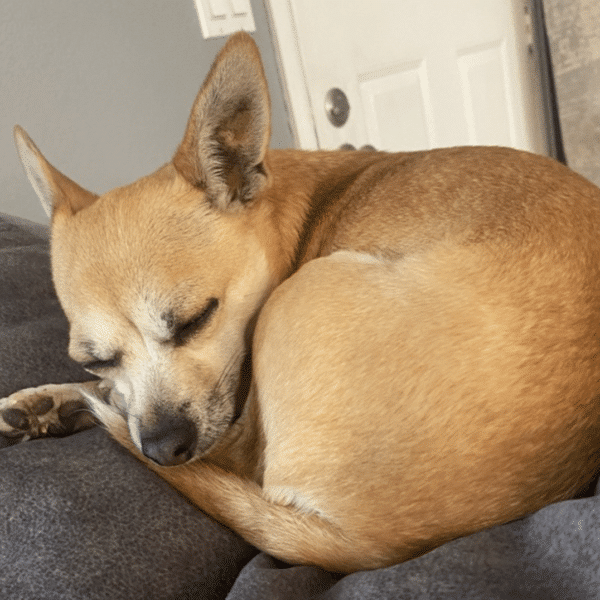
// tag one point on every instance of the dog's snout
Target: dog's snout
(170, 441)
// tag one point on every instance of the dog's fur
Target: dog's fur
(427, 363)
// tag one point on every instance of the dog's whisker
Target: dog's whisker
(83, 409)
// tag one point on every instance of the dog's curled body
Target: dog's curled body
(425, 359)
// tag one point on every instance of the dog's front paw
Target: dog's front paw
(48, 410)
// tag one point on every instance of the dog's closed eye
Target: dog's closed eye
(101, 365)
(183, 332)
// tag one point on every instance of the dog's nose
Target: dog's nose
(170, 441)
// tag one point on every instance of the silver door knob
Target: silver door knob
(336, 107)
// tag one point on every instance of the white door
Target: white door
(415, 74)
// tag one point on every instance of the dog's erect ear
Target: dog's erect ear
(56, 191)
(229, 128)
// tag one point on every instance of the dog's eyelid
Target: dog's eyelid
(186, 329)
(99, 364)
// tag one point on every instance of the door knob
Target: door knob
(336, 107)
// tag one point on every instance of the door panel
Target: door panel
(397, 106)
(488, 107)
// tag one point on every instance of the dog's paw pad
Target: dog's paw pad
(41, 405)
(18, 418)
(15, 418)
(69, 414)
(51, 410)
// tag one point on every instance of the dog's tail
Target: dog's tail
(280, 530)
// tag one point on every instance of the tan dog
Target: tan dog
(427, 363)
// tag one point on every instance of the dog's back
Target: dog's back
(468, 351)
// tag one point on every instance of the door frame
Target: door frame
(293, 77)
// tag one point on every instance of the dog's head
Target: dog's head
(161, 280)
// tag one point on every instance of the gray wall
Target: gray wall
(105, 88)
(574, 35)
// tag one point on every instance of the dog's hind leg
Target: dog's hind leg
(51, 410)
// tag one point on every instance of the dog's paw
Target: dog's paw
(45, 411)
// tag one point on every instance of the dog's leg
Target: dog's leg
(49, 410)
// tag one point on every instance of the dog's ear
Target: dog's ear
(229, 128)
(55, 191)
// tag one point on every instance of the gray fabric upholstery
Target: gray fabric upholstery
(33, 331)
(81, 519)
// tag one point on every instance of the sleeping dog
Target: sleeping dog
(347, 357)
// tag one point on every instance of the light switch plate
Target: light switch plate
(222, 17)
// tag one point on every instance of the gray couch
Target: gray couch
(81, 519)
